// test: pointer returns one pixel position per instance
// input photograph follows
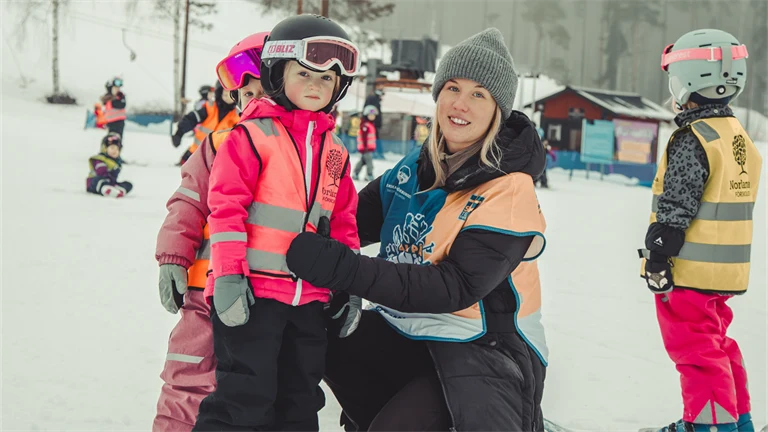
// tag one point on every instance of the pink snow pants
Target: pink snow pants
(712, 373)
(190, 365)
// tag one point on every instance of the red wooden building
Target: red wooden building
(562, 113)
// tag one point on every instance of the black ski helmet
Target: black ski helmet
(112, 138)
(114, 82)
(204, 90)
(299, 27)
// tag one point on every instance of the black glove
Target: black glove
(176, 140)
(664, 240)
(658, 273)
(185, 157)
(321, 261)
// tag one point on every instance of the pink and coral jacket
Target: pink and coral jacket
(275, 175)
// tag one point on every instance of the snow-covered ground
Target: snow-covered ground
(84, 335)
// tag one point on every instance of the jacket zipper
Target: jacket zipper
(442, 387)
(307, 187)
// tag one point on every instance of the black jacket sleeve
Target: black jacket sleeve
(370, 214)
(478, 262)
(192, 119)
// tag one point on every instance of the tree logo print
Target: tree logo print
(334, 165)
(409, 241)
(740, 152)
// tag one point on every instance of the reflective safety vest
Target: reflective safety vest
(198, 272)
(284, 203)
(421, 226)
(113, 114)
(212, 124)
(716, 252)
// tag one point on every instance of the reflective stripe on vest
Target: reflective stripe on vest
(113, 114)
(280, 210)
(198, 272)
(717, 248)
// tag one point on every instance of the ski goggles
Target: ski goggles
(117, 82)
(707, 53)
(319, 53)
(233, 69)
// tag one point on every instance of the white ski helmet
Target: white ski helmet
(370, 109)
(705, 66)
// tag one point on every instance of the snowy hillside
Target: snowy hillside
(84, 335)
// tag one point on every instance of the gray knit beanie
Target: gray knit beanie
(485, 59)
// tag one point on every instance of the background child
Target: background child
(210, 117)
(105, 167)
(366, 142)
(701, 229)
(113, 113)
(280, 172)
(207, 95)
(183, 252)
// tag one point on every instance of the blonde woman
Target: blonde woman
(454, 338)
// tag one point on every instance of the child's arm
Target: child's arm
(343, 217)
(182, 231)
(687, 173)
(190, 120)
(119, 101)
(99, 167)
(232, 182)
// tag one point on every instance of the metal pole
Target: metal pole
(324, 8)
(184, 60)
(300, 7)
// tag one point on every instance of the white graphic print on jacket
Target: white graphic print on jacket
(407, 246)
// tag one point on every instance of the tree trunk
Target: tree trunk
(635, 56)
(177, 108)
(184, 60)
(55, 47)
(299, 7)
(664, 83)
(582, 78)
(324, 8)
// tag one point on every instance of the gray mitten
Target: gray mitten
(352, 319)
(232, 296)
(173, 285)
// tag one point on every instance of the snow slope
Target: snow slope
(84, 335)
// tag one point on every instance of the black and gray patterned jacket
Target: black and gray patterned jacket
(687, 169)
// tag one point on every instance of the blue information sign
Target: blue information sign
(597, 141)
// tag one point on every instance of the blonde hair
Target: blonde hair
(490, 153)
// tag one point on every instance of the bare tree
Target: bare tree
(353, 13)
(545, 15)
(172, 10)
(617, 46)
(40, 13)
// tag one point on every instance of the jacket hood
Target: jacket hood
(295, 120)
(521, 151)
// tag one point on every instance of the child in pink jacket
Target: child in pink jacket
(183, 252)
(279, 173)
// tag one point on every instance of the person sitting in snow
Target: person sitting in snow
(105, 167)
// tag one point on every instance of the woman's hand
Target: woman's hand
(323, 262)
